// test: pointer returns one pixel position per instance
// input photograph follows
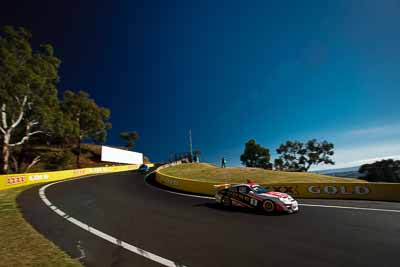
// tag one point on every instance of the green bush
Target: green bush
(60, 161)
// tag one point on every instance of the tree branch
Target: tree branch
(25, 138)
(21, 114)
(4, 116)
(34, 161)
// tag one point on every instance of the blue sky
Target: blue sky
(232, 70)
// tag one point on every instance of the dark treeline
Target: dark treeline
(382, 171)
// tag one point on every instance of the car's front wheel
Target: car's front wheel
(269, 206)
(226, 201)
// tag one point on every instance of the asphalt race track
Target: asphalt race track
(196, 232)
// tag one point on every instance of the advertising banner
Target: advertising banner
(16, 180)
(116, 155)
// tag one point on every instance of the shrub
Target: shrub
(382, 171)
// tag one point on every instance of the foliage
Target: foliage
(88, 120)
(60, 161)
(382, 171)
(130, 138)
(298, 156)
(28, 96)
(31, 73)
(255, 155)
(63, 158)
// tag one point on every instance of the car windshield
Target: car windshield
(259, 189)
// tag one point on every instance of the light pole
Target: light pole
(190, 145)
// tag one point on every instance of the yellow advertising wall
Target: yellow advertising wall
(366, 191)
(16, 180)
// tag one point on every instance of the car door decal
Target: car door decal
(253, 202)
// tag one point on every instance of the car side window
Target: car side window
(233, 189)
(244, 189)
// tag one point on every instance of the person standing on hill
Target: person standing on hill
(223, 162)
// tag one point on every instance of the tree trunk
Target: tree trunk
(16, 166)
(78, 155)
(34, 161)
(22, 156)
(5, 152)
(308, 166)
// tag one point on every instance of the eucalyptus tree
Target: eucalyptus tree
(130, 138)
(298, 156)
(28, 93)
(89, 120)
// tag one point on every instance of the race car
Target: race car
(144, 168)
(254, 196)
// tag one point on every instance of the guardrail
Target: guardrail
(361, 191)
(16, 180)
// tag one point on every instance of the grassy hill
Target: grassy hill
(208, 172)
(54, 159)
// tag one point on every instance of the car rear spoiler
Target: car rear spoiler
(221, 186)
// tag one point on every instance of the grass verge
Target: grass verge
(20, 244)
(210, 173)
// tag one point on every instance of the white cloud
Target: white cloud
(354, 156)
(374, 131)
(363, 145)
(371, 160)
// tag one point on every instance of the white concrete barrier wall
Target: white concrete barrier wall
(111, 154)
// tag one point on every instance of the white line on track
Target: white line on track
(350, 208)
(300, 204)
(94, 231)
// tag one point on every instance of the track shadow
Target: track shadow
(233, 209)
(151, 180)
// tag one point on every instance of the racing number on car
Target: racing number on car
(253, 202)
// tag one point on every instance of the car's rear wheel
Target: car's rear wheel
(269, 206)
(226, 202)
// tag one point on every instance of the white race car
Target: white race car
(252, 195)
